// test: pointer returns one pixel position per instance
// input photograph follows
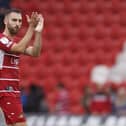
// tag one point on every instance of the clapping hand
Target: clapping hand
(40, 24)
(33, 19)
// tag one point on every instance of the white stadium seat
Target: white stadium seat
(40, 121)
(110, 121)
(62, 121)
(93, 121)
(121, 121)
(75, 121)
(51, 120)
(31, 120)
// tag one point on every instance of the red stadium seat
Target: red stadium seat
(76, 96)
(77, 110)
(49, 84)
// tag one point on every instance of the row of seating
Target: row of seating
(91, 18)
(75, 4)
(53, 120)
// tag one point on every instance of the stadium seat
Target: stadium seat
(121, 121)
(75, 121)
(77, 110)
(31, 120)
(40, 121)
(49, 83)
(110, 121)
(93, 120)
(75, 96)
(51, 120)
(62, 121)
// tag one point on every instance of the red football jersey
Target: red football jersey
(9, 66)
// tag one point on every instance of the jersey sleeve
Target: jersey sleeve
(5, 43)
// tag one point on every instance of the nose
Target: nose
(18, 23)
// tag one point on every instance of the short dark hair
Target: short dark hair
(8, 11)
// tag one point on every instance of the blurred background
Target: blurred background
(80, 77)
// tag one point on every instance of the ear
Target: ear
(5, 20)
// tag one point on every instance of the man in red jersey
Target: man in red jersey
(10, 50)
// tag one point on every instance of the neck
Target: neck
(7, 33)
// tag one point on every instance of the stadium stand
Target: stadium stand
(78, 35)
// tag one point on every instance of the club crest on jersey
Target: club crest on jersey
(5, 41)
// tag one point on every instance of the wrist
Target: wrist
(38, 32)
(31, 27)
(39, 27)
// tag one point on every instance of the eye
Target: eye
(20, 20)
(14, 20)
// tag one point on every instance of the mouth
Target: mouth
(16, 28)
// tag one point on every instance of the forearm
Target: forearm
(23, 43)
(37, 46)
(27, 38)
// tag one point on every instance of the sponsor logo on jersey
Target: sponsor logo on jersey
(5, 41)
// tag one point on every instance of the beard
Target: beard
(13, 30)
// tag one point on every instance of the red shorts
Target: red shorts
(12, 107)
